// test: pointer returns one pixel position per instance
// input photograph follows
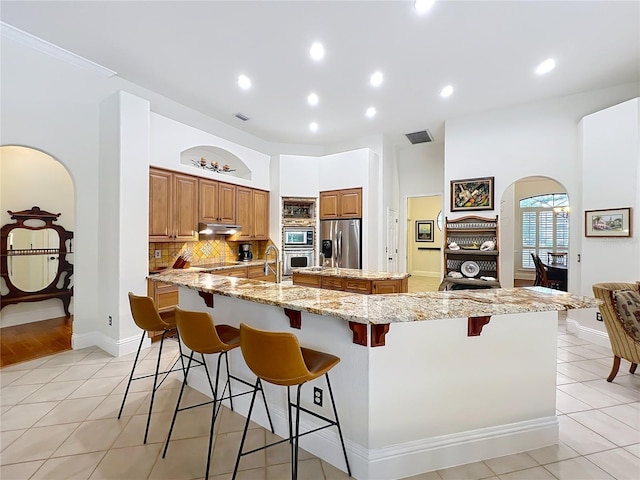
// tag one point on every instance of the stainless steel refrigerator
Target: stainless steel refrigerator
(341, 242)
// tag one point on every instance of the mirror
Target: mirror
(34, 259)
(31, 273)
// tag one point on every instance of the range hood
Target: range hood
(205, 228)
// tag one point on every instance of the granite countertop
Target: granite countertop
(351, 273)
(381, 309)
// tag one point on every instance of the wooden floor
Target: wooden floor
(34, 340)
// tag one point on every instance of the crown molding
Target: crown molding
(36, 43)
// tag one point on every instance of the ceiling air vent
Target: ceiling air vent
(420, 137)
(241, 116)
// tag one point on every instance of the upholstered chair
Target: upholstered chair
(623, 331)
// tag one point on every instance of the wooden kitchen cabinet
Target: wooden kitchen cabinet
(253, 214)
(352, 285)
(336, 204)
(165, 297)
(380, 287)
(173, 206)
(256, 272)
(217, 202)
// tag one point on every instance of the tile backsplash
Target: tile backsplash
(201, 252)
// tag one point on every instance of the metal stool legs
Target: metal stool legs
(157, 372)
(294, 433)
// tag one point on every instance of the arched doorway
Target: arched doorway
(535, 215)
(28, 178)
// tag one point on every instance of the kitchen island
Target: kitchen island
(351, 280)
(426, 380)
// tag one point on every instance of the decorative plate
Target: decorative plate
(470, 269)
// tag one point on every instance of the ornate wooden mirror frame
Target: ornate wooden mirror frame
(59, 286)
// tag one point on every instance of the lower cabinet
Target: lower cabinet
(254, 272)
(165, 297)
(351, 285)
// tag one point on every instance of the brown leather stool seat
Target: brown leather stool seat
(200, 335)
(278, 358)
(146, 316)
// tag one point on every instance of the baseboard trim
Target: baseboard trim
(407, 459)
(117, 348)
(586, 333)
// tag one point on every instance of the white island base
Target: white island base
(432, 397)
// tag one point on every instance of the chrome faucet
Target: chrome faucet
(268, 267)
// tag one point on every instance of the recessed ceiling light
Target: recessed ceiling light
(546, 66)
(244, 82)
(371, 112)
(312, 99)
(423, 6)
(376, 79)
(313, 126)
(446, 91)
(317, 51)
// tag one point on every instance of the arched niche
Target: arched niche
(28, 177)
(215, 159)
(510, 225)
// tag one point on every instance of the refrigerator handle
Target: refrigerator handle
(339, 249)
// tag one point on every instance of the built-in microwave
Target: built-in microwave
(298, 237)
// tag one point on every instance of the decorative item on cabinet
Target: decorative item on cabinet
(345, 203)
(173, 210)
(213, 166)
(471, 253)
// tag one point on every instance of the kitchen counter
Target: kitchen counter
(421, 386)
(351, 273)
(380, 309)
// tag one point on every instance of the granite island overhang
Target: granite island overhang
(435, 393)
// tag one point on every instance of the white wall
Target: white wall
(610, 179)
(420, 174)
(169, 138)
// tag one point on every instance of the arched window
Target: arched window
(544, 226)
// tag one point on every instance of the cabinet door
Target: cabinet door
(245, 214)
(380, 287)
(350, 204)
(329, 205)
(227, 203)
(357, 286)
(307, 280)
(208, 200)
(160, 204)
(185, 207)
(260, 215)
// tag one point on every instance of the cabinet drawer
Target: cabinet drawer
(331, 283)
(306, 280)
(233, 272)
(357, 286)
(380, 287)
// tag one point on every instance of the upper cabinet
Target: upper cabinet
(341, 204)
(173, 206)
(253, 214)
(217, 202)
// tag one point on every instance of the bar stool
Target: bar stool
(200, 335)
(278, 358)
(146, 317)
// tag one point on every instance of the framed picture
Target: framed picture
(424, 230)
(472, 194)
(614, 222)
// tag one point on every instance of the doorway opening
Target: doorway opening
(424, 242)
(535, 223)
(28, 178)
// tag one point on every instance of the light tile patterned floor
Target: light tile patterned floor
(58, 421)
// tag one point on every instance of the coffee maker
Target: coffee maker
(244, 252)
